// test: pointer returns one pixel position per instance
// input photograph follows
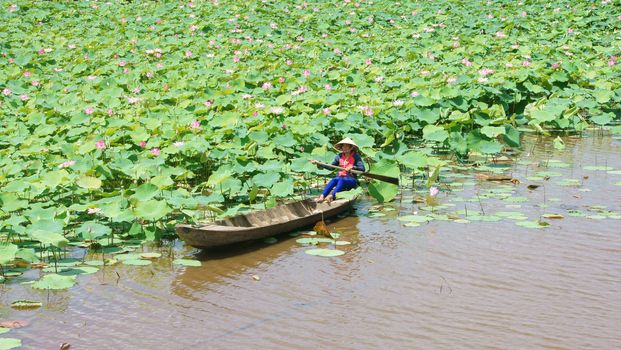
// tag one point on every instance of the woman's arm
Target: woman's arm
(358, 163)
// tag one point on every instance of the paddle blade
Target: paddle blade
(384, 178)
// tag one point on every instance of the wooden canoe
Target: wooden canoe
(261, 224)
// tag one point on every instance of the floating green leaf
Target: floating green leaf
(26, 304)
(54, 281)
(324, 252)
(187, 262)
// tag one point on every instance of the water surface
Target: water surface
(442, 285)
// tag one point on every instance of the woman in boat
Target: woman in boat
(345, 180)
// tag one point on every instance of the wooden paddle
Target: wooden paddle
(392, 180)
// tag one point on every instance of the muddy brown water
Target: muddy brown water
(442, 285)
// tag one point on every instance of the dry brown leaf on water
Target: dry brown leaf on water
(532, 187)
(256, 277)
(553, 216)
(322, 229)
(65, 346)
(515, 181)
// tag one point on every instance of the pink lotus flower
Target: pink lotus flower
(41, 52)
(13, 8)
(555, 65)
(451, 80)
(306, 73)
(526, 63)
(500, 34)
(122, 63)
(455, 44)
(414, 93)
(110, 111)
(273, 25)
(327, 111)
(150, 74)
(612, 63)
(397, 103)
(288, 62)
(89, 110)
(7, 92)
(486, 71)
(277, 110)
(35, 83)
(328, 87)
(433, 191)
(24, 97)
(132, 100)
(266, 86)
(208, 104)
(100, 144)
(300, 90)
(570, 31)
(466, 62)
(179, 144)
(142, 144)
(155, 151)
(281, 80)
(300, 38)
(366, 110)
(368, 61)
(67, 164)
(188, 54)
(27, 74)
(337, 51)
(236, 59)
(136, 90)
(93, 210)
(195, 124)
(259, 105)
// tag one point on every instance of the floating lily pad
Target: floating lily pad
(533, 224)
(137, 262)
(187, 262)
(324, 252)
(150, 255)
(415, 218)
(4, 330)
(94, 263)
(9, 343)
(128, 256)
(462, 221)
(569, 182)
(314, 240)
(342, 243)
(26, 304)
(81, 270)
(270, 240)
(598, 168)
(54, 281)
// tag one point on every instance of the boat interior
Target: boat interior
(281, 213)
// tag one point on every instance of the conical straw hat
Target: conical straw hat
(344, 141)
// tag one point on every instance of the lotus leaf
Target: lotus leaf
(54, 281)
(187, 262)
